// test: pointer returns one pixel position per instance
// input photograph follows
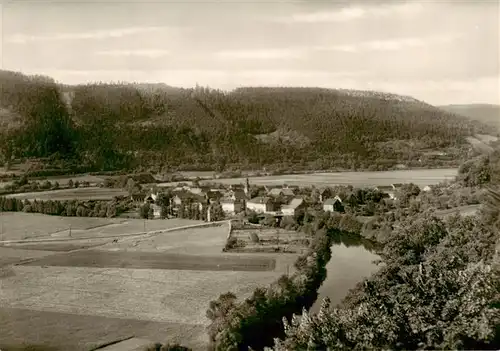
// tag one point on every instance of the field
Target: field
(84, 332)
(20, 226)
(155, 286)
(156, 260)
(62, 180)
(421, 177)
(90, 193)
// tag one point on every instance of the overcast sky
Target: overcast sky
(442, 52)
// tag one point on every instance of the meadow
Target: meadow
(62, 180)
(70, 331)
(421, 177)
(89, 193)
(139, 285)
(20, 226)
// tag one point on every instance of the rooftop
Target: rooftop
(260, 200)
(294, 203)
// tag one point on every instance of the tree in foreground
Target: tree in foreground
(439, 289)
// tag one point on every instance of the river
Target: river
(351, 262)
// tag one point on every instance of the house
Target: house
(426, 188)
(232, 206)
(156, 210)
(285, 192)
(260, 204)
(137, 198)
(294, 205)
(236, 194)
(333, 205)
(180, 188)
(184, 199)
(151, 198)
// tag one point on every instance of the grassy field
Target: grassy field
(19, 225)
(62, 180)
(198, 241)
(67, 331)
(177, 296)
(13, 255)
(421, 177)
(156, 260)
(87, 288)
(90, 193)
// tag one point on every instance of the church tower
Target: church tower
(247, 187)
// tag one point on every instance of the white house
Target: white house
(156, 211)
(231, 206)
(293, 206)
(260, 204)
(333, 205)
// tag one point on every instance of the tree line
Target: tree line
(72, 208)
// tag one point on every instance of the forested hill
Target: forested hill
(106, 126)
(486, 113)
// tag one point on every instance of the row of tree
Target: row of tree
(73, 208)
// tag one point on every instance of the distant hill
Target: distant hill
(489, 114)
(110, 126)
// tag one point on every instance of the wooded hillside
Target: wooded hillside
(112, 126)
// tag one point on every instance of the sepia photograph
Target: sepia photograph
(249, 175)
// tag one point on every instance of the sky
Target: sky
(442, 52)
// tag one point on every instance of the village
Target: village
(216, 201)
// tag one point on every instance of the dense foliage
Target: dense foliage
(481, 170)
(117, 126)
(438, 288)
(73, 208)
(257, 320)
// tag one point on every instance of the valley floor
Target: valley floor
(158, 287)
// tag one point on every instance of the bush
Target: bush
(230, 243)
(254, 237)
(167, 347)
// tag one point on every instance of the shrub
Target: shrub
(254, 237)
(230, 243)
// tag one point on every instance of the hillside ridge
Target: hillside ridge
(112, 126)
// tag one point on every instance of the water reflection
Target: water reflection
(354, 240)
(352, 261)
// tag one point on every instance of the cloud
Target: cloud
(97, 34)
(259, 54)
(352, 13)
(129, 53)
(390, 44)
